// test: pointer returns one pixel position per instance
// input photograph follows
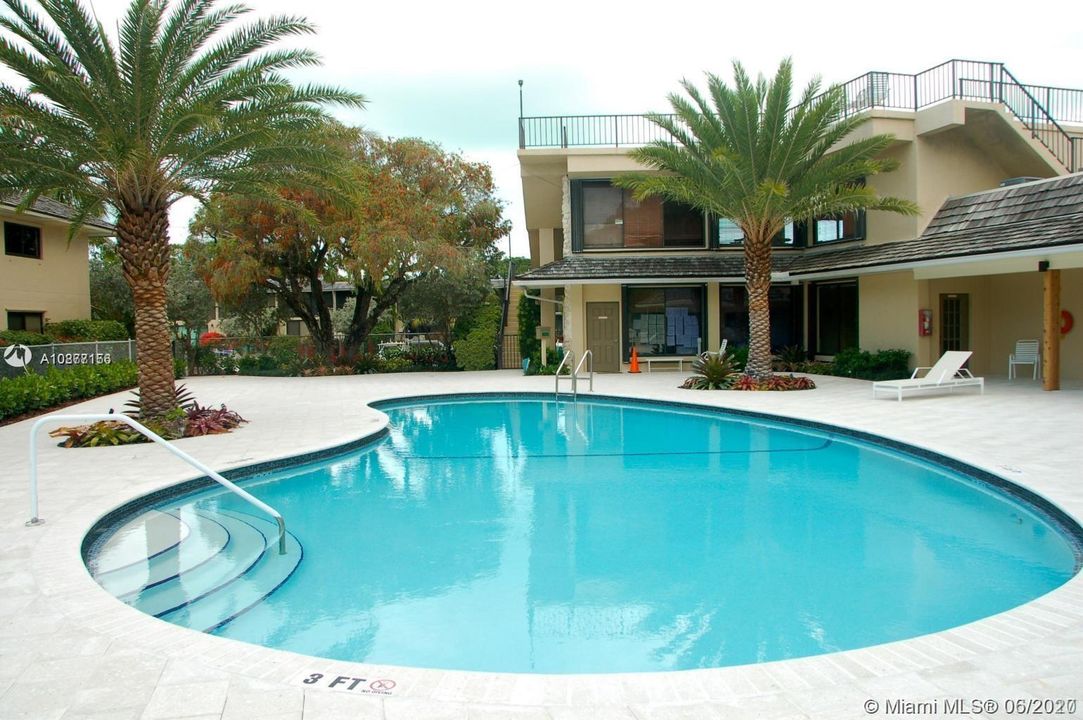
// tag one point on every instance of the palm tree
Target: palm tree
(181, 102)
(746, 155)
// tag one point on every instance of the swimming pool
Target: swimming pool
(520, 534)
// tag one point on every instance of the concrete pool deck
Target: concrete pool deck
(69, 650)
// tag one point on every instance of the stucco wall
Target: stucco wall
(1016, 306)
(58, 284)
(887, 317)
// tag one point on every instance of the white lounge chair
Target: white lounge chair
(948, 373)
(1026, 353)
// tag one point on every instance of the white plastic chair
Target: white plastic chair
(1026, 353)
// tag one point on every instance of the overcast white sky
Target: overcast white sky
(447, 71)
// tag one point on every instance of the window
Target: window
(606, 217)
(293, 328)
(731, 235)
(850, 226)
(22, 240)
(836, 316)
(28, 321)
(786, 302)
(664, 320)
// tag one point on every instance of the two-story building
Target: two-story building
(670, 281)
(44, 276)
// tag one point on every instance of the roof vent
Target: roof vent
(1018, 180)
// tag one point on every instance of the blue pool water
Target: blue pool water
(526, 535)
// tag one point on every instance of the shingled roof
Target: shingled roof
(1041, 214)
(714, 265)
(54, 208)
(1035, 215)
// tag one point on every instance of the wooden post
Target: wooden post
(1051, 330)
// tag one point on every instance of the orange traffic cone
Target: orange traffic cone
(634, 366)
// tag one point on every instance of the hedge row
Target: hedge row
(67, 331)
(31, 392)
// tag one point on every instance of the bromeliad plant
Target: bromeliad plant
(712, 371)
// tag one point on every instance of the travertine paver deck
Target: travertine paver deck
(68, 650)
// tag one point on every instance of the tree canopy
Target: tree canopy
(406, 209)
(181, 101)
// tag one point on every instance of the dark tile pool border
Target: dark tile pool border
(1064, 522)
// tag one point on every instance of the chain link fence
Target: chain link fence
(21, 359)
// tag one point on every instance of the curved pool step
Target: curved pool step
(220, 605)
(198, 539)
(249, 539)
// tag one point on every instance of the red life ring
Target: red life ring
(1067, 322)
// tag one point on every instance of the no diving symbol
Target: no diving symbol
(382, 685)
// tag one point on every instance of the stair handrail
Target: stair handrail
(155, 437)
(588, 354)
(569, 357)
(1032, 124)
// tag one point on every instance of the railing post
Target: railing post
(954, 80)
(522, 134)
(992, 74)
(616, 130)
(563, 135)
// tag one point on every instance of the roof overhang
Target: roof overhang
(998, 263)
(90, 229)
(777, 277)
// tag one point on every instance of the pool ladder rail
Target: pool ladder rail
(153, 436)
(568, 359)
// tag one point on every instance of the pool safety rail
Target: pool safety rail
(153, 436)
(569, 360)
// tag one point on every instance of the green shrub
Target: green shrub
(22, 337)
(477, 351)
(86, 330)
(529, 315)
(881, 365)
(739, 357)
(180, 368)
(32, 392)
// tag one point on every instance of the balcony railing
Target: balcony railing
(1041, 109)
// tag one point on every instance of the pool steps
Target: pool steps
(221, 567)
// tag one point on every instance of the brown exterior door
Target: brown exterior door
(603, 335)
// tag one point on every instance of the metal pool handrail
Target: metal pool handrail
(569, 357)
(587, 354)
(151, 435)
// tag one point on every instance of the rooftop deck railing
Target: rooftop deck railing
(1041, 109)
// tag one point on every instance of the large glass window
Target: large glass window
(731, 235)
(609, 218)
(603, 216)
(22, 240)
(836, 317)
(786, 302)
(850, 226)
(665, 320)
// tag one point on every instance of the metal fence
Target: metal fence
(1041, 109)
(20, 359)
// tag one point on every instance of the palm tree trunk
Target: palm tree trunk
(758, 285)
(144, 253)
